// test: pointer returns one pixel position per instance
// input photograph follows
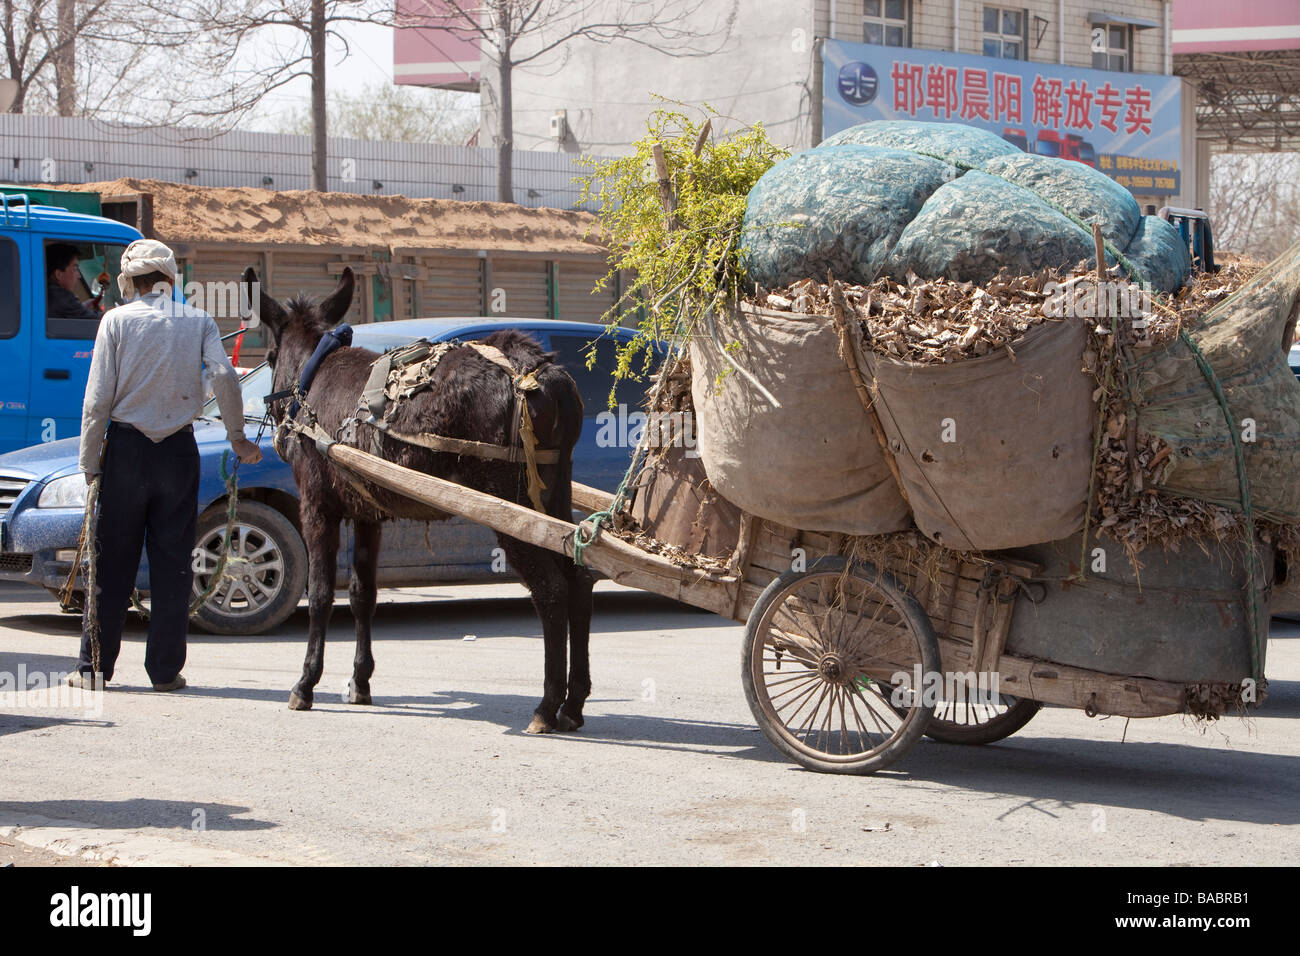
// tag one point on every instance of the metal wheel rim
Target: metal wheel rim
(822, 705)
(253, 576)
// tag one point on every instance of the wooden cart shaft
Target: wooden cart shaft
(733, 595)
(611, 556)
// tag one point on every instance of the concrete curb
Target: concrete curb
(116, 847)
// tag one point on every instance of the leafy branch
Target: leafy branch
(670, 213)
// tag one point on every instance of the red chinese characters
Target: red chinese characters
(935, 91)
(1108, 101)
(1047, 102)
(975, 95)
(909, 87)
(1006, 97)
(1078, 105)
(1138, 115)
(941, 91)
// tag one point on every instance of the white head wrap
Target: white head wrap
(141, 258)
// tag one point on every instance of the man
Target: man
(63, 272)
(145, 388)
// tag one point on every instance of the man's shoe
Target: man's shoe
(176, 684)
(84, 681)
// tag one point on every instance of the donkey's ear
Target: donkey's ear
(333, 309)
(260, 306)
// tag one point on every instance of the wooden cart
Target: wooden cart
(840, 656)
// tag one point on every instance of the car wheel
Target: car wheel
(264, 576)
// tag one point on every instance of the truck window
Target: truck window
(80, 284)
(10, 289)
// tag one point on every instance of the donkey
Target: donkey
(470, 397)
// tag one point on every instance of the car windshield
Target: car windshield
(254, 386)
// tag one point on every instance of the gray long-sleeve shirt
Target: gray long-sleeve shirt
(147, 371)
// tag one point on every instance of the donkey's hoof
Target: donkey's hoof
(358, 696)
(539, 726)
(299, 703)
(565, 723)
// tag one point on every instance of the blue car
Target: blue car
(42, 494)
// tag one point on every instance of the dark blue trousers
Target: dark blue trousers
(148, 499)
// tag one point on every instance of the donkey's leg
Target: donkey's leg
(365, 564)
(321, 535)
(580, 583)
(546, 582)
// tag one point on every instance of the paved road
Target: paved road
(669, 769)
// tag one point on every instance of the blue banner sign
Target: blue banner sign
(1128, 125)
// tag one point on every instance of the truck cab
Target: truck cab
(45, 356)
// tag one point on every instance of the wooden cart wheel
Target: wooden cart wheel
(974, 723)
(822, 647)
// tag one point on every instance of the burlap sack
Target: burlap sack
(813, 463)
(1245, 341)
(993, 452)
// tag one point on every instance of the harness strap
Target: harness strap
(373, 399)
(329, 343)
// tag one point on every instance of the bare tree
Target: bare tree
(221, 32)
(514, 33)
(1254, 202)
(399, 114)
(84, 57)
(39, 36)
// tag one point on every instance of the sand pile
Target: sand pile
(184, 213)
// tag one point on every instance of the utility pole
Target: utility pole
(319, 116)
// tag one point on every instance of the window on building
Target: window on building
(1112, 47)
(887, 22)
(1004, 33)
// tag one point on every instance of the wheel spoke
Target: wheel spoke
(801, 700)
(812, 718)
(871, 711)
(791, 690)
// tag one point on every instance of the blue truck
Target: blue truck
(44, 360)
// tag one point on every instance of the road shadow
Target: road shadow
(512, 712)
(1183, 780)
(1282, 699)
(20, 723)
(43, 702)
(140, 813)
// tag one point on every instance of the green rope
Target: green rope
(595, 521)
(1243, 482)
